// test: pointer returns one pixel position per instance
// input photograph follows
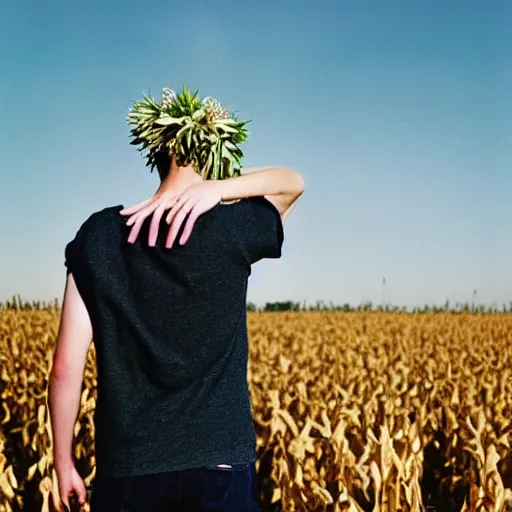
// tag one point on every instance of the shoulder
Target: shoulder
(98, 219)
(262, 227)
(105, 215)
(264, 204)
(262, 212)
(252, 210)
(259, 205)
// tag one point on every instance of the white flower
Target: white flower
(168, 97)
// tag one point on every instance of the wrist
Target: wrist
(63, 463)
(221, 189)
(261, 182)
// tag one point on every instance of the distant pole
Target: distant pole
(383, 292)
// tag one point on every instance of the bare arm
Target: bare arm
(282, 187)
(73, 342)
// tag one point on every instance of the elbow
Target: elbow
(60, 373)
(297, 184)
(301, 185)
(293, 183)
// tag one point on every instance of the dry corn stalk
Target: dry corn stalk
(353, 412)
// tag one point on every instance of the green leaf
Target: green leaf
(138, 115)
(198, 114)
(167, 120)
(209, 164)
(189, 139)
(228, 129)
(226, 121)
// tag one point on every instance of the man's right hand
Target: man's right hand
(192, 202)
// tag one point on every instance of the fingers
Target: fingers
(155, 224)
(138, 219)
(134, 233)
(189, 225)
(57, 504)
(81, 492)
(176, 207)
(135, 208)
(175, 227)
(144, 212)
(65, 500)
(180, 207)
(177, 221)
(60, 498)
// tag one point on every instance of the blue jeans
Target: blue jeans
(190, 490)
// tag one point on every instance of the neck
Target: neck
(179, 178)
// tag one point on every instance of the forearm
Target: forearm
(64, 404)
(271, 181)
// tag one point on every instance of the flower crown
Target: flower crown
(196, 132)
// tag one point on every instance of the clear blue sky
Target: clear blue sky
(398, 114)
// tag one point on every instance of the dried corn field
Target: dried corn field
(353, 411)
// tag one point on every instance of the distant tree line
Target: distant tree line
(447, 307)
(459, 307)
(17, 303)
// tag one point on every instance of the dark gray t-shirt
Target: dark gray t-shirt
(170, 334)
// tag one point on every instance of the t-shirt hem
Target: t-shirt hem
(245, 454)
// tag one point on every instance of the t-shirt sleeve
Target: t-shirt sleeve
(71, 255)
(262, 229)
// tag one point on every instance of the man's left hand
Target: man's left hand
(70, 482)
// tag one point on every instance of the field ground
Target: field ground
(359, 411)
